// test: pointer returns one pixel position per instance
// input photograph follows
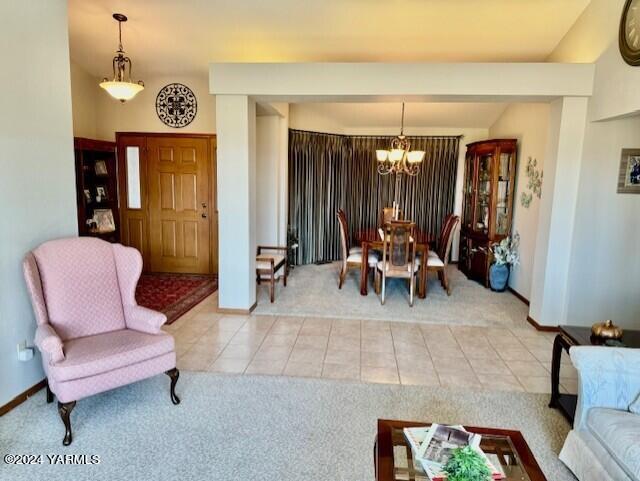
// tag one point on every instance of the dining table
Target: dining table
(371, 239)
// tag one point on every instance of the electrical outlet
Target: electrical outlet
(24, 353)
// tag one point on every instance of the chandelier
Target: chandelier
(121, 87)
(399, 159)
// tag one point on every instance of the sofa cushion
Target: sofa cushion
(80, 286)
(91, 355)
(619, 433)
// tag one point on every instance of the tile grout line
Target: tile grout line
(293, 346)
(225, 345)
(395, 356)
(253, 356)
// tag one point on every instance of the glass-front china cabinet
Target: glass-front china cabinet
(489, 183)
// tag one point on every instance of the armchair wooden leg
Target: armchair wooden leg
(174, 374)
(272, 287)
(341, 278)
(65, 413)
(49, 395)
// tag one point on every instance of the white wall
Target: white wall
(236, 116)
(98, 115)
(529, 123)
(272, 159)
(84, 100)
(604, 265)
(37, 186)
(267, 179)
(139, 114)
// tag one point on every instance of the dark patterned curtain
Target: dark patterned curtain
(328, 172)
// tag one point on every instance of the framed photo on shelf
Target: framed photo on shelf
(101, 168)
(104, 220)
(629, 177)
(87, 196)
(101, 193)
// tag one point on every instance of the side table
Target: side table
(576, 336)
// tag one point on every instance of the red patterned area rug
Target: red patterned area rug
(174, 294)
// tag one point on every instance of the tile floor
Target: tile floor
(511, 359)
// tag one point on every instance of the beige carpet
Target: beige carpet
(312, 291)
(246, 428)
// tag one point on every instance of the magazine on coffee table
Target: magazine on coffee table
(433, 446)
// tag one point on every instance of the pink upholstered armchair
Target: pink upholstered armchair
(92, 335)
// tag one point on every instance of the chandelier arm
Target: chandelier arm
(115, 64)
(127, 59)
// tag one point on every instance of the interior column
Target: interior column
(235, 129)
(549, 289)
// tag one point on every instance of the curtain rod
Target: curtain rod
(461, 136)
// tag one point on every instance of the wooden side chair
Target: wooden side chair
(269, 266)
(386, 215)
(439, 260)
(398, 257)
(351, 256)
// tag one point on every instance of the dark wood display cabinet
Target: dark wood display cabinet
(487, 208)
(97, 189)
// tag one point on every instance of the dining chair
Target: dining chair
(438, 260)
(269, 264)
(351, 249)
(398, 257)
(351, 256)
(387, 215)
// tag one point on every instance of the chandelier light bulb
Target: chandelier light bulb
(415, 156)
(382, 155)
(396, 155)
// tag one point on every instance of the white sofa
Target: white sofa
(605, 441)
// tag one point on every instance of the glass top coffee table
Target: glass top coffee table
(508, 449)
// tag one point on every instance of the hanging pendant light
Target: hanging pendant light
(399, 159)
(121, 87)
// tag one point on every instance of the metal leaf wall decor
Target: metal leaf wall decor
(534, 183)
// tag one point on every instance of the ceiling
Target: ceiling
(387, 114)
(169, 37)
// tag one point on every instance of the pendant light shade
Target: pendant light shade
(122, 91)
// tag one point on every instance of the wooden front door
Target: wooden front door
(173, 225)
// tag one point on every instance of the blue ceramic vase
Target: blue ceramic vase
(498, 277)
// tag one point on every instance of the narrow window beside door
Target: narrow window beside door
(133, 177)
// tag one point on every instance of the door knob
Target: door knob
(204, 215)
(204, 205)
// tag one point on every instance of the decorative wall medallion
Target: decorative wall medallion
(176, 105)
(534, 183)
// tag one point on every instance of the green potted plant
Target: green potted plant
(466, 464)
(505, 254)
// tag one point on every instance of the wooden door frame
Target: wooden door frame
(144, 175)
